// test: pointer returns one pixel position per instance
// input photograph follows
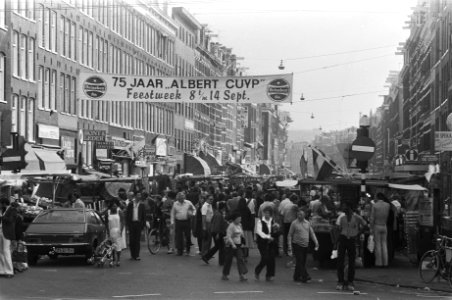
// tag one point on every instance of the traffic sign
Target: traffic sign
(411, 155)
(363, 148)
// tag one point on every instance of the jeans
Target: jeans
(300, 254)
(268, 253)
(346, 245)
(182, 230)
(381, 245)
(218, 240)
(230, 253)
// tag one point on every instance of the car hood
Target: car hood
(45, 228)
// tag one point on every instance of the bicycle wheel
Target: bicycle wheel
(153, 241)
(429, 266)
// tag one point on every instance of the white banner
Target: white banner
(249, 89)
(443, 140)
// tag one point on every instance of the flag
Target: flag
(303, 165)
(323, 165)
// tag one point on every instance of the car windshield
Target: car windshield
(61, 216)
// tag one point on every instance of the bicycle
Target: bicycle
(157, 236)
(437, 262)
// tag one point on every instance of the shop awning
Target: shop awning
(410, 187)
(234, 168)
(50, 160)
(214, 166)
(196, 165)
(121, 153)
(264, 170)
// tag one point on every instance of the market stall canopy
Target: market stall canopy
(50, 160)
(286, 183)
(196, 165)
(410, 187)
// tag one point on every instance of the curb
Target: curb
(397, 285)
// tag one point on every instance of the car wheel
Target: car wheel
(32, 259)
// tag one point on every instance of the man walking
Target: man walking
(181, 214)
(136, 220)
(207, 215)
(300, 232)
(349, 225)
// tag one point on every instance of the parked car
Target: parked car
(64, 231)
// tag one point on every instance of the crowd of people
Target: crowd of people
(229, 220)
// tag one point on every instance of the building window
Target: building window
(46, 89)
(31, 119)
(2, 77)
(23, 116)
(72, 102)
(2, 13)
(53, 90)
(53, 31)
(14, 107)
(15, 53)
(40, 87)
(31, 59)
(23, 56)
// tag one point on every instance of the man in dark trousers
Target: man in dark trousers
(136, 220)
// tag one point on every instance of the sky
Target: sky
(340, 52)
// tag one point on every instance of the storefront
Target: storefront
(122, 156)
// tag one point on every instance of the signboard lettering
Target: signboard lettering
(246, 89)
(94, 135)
(443, 141)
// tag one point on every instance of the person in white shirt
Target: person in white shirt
(267, 242)
(181, 215)
(207, 215)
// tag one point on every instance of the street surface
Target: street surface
(165, 276)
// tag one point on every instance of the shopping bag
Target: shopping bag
(371, 244)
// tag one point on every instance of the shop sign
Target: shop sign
(94, 135)
(48, 132)
(443, 141)
(101, 153)
(68, 145)
(104, 145)
(149, 150)
(273, 89)
(161, 147)
(428, 158)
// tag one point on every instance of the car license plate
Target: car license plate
(64, 250)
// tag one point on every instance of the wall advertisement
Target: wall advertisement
(273, 89)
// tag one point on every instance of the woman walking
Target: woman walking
(267, 232)
(234, 236)
(115, 221)
(7, 234)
